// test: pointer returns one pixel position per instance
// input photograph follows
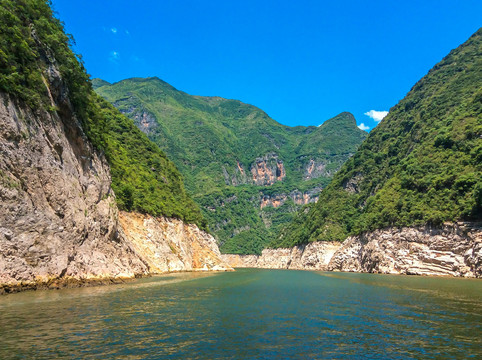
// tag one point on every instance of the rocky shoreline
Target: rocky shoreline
(313, 256)
(158, 245)
(449, 250)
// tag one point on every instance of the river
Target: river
(249, 314)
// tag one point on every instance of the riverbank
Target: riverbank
(454, 249)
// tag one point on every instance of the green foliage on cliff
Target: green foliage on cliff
(33, 46)
(421, 165)
(143, 178)
(215, 143)
(30, 38)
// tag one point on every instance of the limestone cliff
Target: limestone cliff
(166, 245)
(454, 249)
(298, 198)
(314, 256)
(267, 170)
(58, 217)
(451, 250)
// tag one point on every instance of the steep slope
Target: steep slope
(419, 168)
(248, 172)
(59, 142)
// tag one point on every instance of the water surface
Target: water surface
(249, 314)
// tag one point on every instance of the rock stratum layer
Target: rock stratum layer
(58, 216)
(167, 245)
(454, 250)
(314, 256)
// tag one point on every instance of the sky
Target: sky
(302, 62)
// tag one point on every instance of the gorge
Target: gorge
(103, 182)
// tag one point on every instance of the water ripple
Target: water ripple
(249, 314)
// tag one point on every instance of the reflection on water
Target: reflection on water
(262, 314)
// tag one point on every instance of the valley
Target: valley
(248, 173)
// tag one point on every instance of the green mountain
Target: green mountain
(248, 173)
(35, 52)
(421, 165)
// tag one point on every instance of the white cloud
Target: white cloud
(114, 56)
(114, 30)
(376, 115)
(362, 126)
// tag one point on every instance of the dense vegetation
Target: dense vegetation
(210, 138)
(421, 165)
(32, 44)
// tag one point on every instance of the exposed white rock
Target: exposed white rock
(58, 215)
(166, 244)
(453, 249)
(314, 256)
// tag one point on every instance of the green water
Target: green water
(249, 314)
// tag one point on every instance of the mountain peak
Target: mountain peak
(345, 118)
(97, 83)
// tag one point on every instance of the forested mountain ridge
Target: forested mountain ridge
(248, 172)
(421, 165)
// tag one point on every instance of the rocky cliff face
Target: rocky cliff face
(298, 198)
(166, 245)
(314, 256)
(454, 250)
(267, 170)
(58, 217)
(316, 168)
(143, 119)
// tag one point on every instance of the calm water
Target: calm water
(249, 314)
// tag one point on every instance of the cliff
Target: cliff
(62, 151)
(167, 245)
(58, 215)
(57, 212)
(314, 256)
(451, 250)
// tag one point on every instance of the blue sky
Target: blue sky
(302, 62)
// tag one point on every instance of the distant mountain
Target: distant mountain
(96, 83)
(248, 172)
(421, 165)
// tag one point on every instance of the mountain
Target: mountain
(422, 165)
(248, 173)
(69, 161)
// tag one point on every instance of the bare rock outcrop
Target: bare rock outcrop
(313, 256)
(58, 218)
(315, 169)
(298, 197)
(166, 244)
(267, 170)
(454, 249)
